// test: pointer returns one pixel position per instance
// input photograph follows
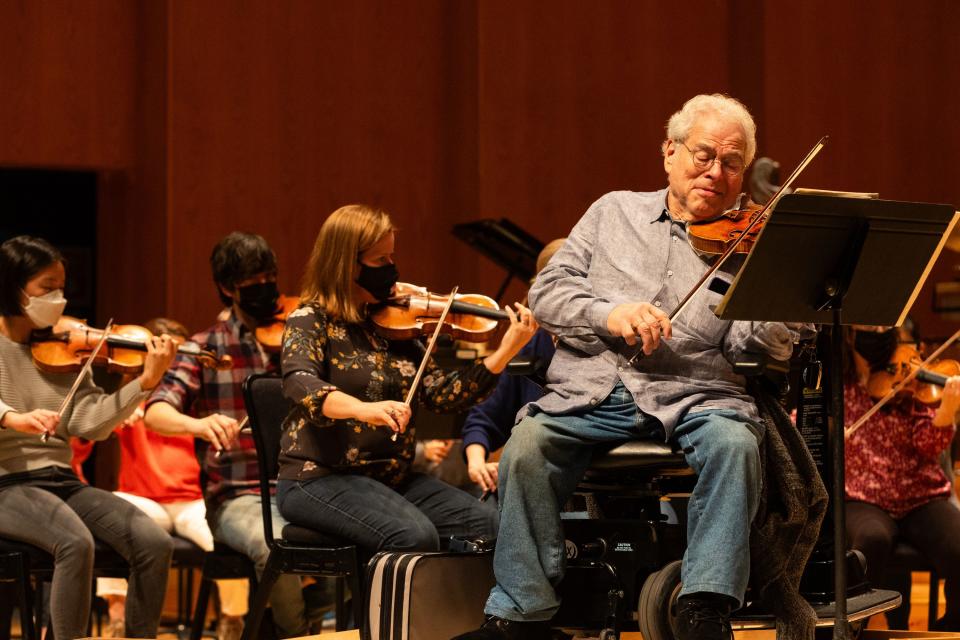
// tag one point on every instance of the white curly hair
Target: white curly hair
(680, 123)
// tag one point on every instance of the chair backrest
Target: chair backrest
(266, 409)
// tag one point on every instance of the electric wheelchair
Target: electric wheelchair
(625, 537)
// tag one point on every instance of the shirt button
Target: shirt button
(669, 273)
(676, 239)
(593, 401)
(619, 368)
(656, 303)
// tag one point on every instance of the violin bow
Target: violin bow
(241, 428)
(426, 356)
(76, 383)
(743, 234)
(896, 389)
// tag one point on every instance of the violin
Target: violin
(270, 334)
(67, 346)
(720, 234)
(414, 312)
(726, 239)
(926, 387)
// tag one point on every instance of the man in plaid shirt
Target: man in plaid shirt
(209, 404)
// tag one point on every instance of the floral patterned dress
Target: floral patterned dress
(322, 354)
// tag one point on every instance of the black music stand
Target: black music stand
(837, 260)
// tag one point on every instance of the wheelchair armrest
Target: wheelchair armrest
(532, 367)
(755, 364)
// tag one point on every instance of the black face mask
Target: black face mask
(378, 281)
(876, 348)
(259, 300)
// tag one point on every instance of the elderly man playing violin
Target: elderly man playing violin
(607, 294)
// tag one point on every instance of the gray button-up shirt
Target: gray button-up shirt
(626, 248)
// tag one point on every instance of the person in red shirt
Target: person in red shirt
(160, 474)
(896, 488)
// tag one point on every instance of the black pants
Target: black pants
(933, 529)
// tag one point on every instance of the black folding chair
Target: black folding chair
(21, 562)
(298, 550)
(904, 560)
(223, 563)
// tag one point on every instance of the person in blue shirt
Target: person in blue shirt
(488, 425)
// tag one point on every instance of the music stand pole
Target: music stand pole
(831, 259)
(841, 626)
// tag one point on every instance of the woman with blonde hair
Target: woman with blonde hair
(348, 444)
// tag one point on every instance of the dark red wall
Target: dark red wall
(208, 117)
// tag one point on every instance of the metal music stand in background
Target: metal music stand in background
(839, 261)
(506, 244)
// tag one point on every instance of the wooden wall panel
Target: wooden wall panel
(67, 83)
(881, 79)
(213, 116)
(81, 89)
(132, 234)
(574, 98)
(281, 113)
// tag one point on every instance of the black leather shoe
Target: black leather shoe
(945, 624)
(704, 616)
(495, 628)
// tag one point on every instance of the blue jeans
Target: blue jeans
(418, 515)
(546, 457)
(239, 524)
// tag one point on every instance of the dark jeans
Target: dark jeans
(933, 529)
(418, 515)
(51, 509)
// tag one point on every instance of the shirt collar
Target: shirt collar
(235, 325)
(664, 213)
(658, 214)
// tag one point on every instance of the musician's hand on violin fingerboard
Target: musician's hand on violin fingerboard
(217, 429)
(33, 422)
(522, 327)
(949, 403)
(161, 350)
(641, 320)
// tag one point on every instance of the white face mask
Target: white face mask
(44, 311)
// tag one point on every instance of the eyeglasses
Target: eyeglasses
(703, 160)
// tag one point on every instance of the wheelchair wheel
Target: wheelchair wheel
(657, 609)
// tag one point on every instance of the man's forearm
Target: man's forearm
(163, 418)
